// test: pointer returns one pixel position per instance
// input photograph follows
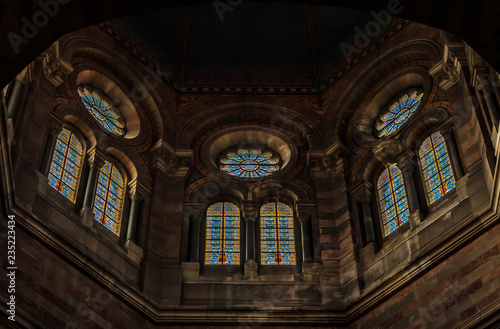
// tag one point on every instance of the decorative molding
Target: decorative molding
(55, 69)
(250, 211)
(172, 163)
(447, 72)
(363, 192)
(96, 158)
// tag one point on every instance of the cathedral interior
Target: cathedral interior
(247, 164)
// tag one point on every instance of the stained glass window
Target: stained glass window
(223, 234)
(276, 234)
(399, 112)
(66, 165)
(108, 200)
(250, 163)
(102, 111)
(436, 167)
(392, 197)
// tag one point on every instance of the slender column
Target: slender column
(407, 166)
(364, 198)
(484, 87)
(305, 229)
(453, 153)
(54, 131)
(136, 198)
(194, 236)
(13, 97)
(250, 215)
(96, 161)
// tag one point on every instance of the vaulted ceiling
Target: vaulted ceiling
(251, 43)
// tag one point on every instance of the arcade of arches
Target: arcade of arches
(199, 180)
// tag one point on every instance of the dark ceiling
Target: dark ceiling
(475, 21)
(254, 43)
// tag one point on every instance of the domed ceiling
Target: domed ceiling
(250, 44)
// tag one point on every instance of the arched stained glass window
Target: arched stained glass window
(101, 109)
(392, 198)
(277, 245)
(398, 113)
(223, 234)
(108, 200)
(250, 163)
(66, 166)
(436, 167)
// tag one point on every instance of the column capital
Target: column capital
(96, 158)
(250, 211)
(169, 161)
(56, 125)
(137, 191)
(363, 192)
(447, 71)
(305, 210)
(407, 163)
(194, 211)
(55, 68)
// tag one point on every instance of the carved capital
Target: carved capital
(170, 162)
(250, 212)
(56, 125)
(96, 158)
(137, 191)
(194, 211)
(303, 216)
(363, 192)
(407, 164)
(447, 71)
(55, 68)
(482, 82)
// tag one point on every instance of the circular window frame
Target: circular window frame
(237, 148)
(387, 108)
(106, 98)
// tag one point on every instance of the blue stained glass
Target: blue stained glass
(392, 199)
(223, 234)
(436, 167)
(104, 113)
(276, 234)
(66, 165)
(108, 200)
(249, 163)
(398, 113)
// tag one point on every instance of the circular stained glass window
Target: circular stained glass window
(398, 113)
(250, 163)
(102, 110)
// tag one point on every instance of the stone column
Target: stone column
(195, 220)
(250, 214)
(364, 198)
(407, 166)
(306, 236)
(136, 194)
(451, 145)
(95, 161)
(484, 87)
(55, 129)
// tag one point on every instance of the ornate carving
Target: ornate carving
(407, 164)
(303, 215)
(96, 158)
(55, 68)
(250, 212)
(447, 71)
(166, 159)
(137, 191)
